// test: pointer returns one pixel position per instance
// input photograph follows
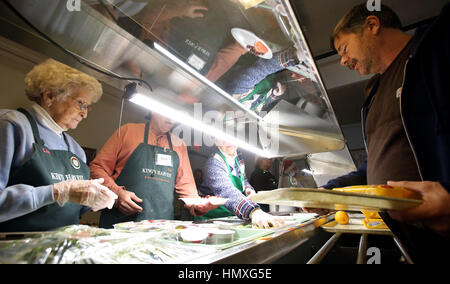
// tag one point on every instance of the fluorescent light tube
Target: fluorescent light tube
(178, 116)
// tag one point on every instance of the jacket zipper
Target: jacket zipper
(399, 96)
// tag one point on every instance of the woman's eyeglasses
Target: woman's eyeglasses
(84, 107)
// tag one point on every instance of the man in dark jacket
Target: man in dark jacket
(262, 179)
(406, 117)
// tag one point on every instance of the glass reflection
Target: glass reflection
(244, 46)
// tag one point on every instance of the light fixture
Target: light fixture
(308, 172)
(183, 118)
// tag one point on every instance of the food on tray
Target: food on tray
(374, 224)
(381, 190)
(341, 217)
(371, 214)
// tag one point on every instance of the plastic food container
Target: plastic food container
(217, 236)
(194, 236)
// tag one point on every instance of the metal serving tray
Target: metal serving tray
(328, 199)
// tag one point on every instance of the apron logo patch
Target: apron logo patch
(153, 172)
(75, 163)
(45, 151)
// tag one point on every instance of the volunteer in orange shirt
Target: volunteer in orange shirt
(143, 166)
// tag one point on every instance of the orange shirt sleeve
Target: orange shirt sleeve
(113, 156)
(224, 60)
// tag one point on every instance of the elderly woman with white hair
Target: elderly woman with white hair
(44, 181)
(224, 176)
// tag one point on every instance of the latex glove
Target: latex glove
(264, 220)
(84, 192)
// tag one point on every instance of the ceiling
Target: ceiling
(318, 19)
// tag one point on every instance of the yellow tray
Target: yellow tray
(335, 200)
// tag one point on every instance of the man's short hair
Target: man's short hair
(354, 21)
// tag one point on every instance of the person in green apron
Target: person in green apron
(143, 166)
(225, 177)
(44, 181)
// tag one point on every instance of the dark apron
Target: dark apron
(44, 168)
(151, 180)
(222, 211)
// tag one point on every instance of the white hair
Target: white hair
(61, 80)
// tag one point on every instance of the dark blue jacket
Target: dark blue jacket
(425, 110)
(425, 105)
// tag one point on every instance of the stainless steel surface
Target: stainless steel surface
(317, 258)
(328, 199)
(362, 250)
(326, 166)
(123, 40)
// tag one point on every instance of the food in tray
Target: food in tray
(381, 190)
(217, 236)
(149, 225)
(196, 236)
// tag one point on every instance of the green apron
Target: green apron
(150, 173)
(44, 168)
(238, 183)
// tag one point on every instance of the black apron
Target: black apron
(150, 173)
(44, 168)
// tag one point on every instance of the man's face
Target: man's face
(266, 164)
(163, 123)
(357, 52)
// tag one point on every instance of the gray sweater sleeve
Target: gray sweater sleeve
(15, 148)
(218, 181)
